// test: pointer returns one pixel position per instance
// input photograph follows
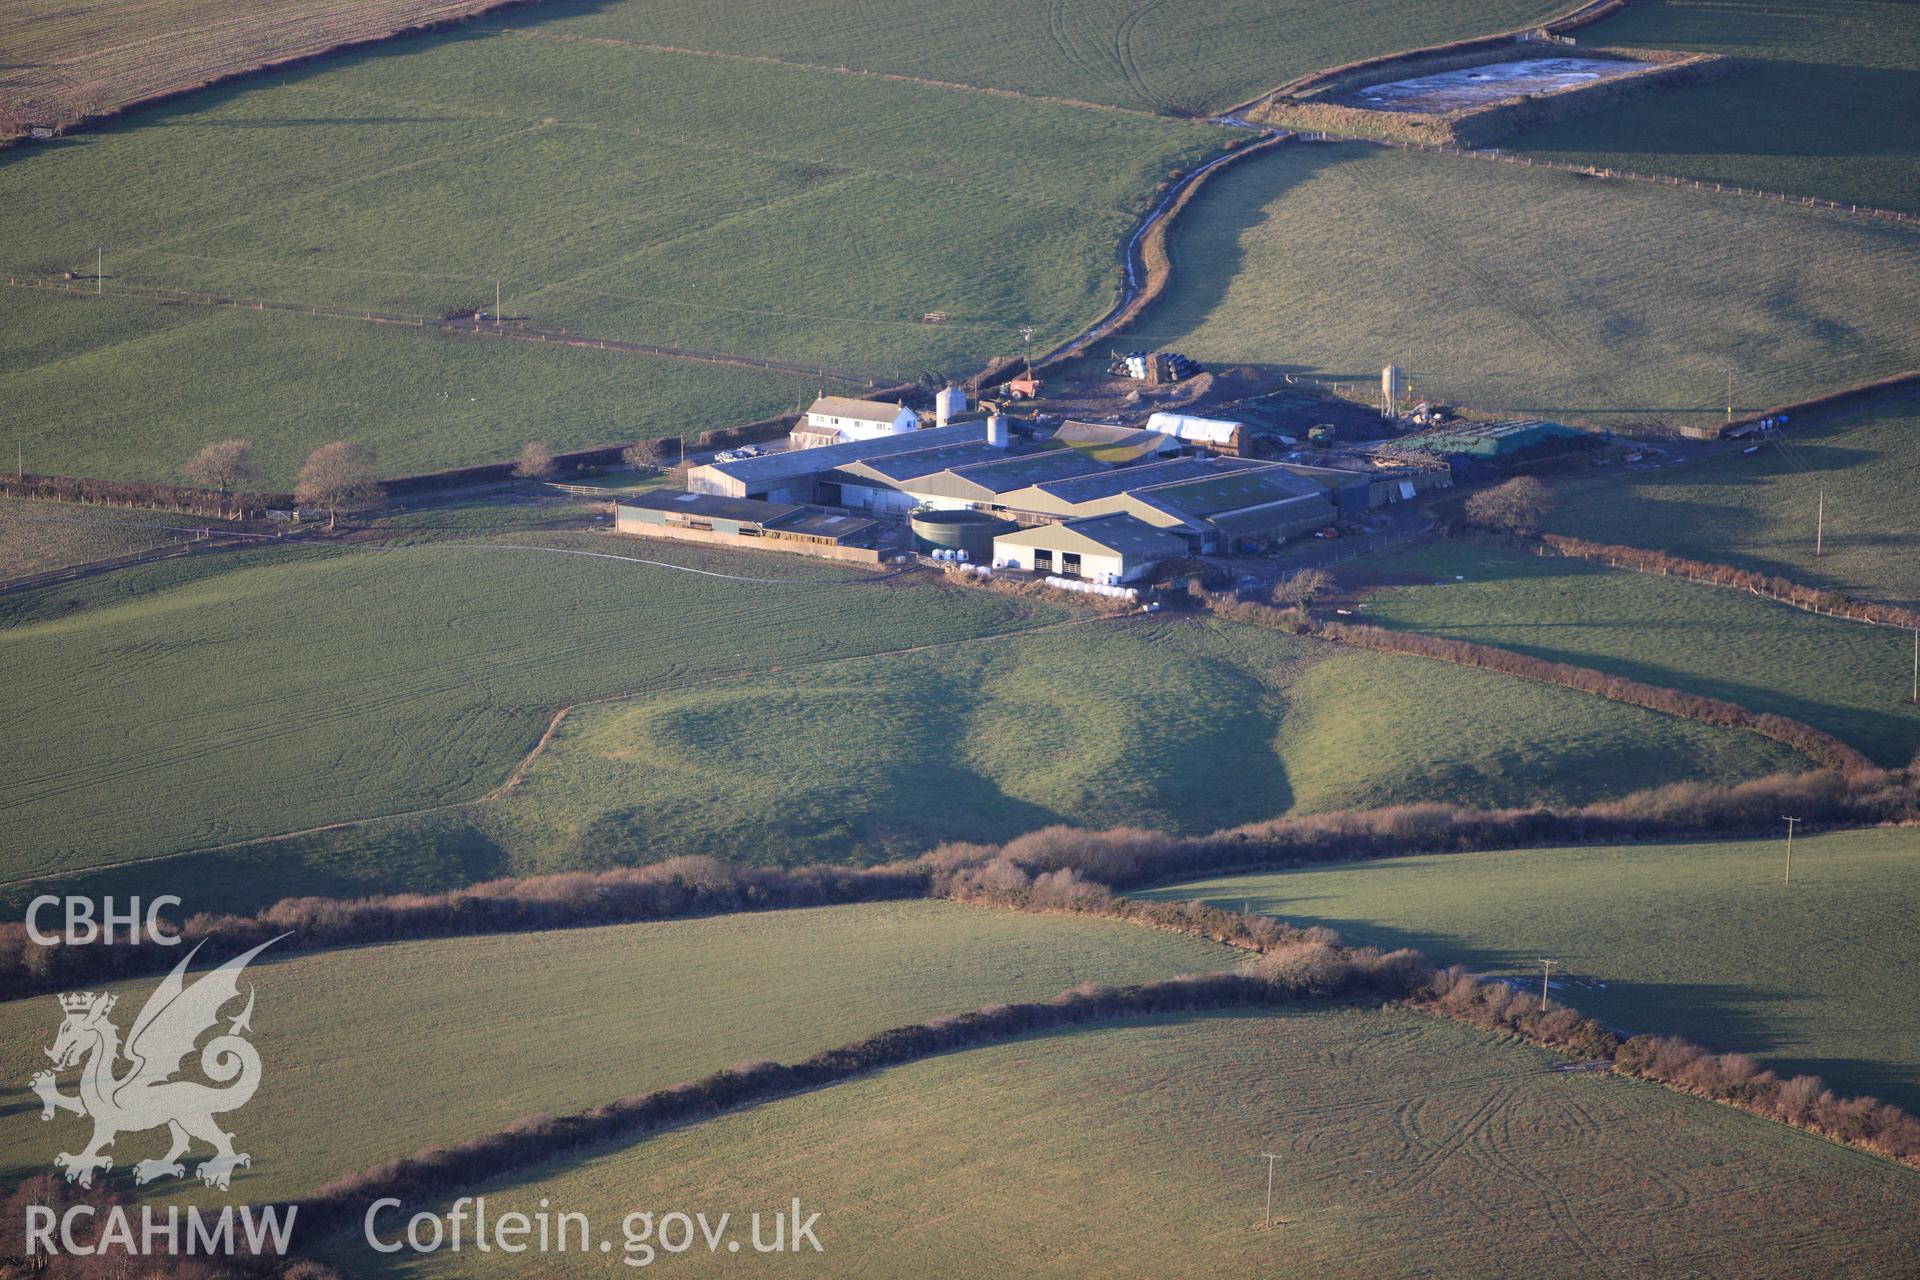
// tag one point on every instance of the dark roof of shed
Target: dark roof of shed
(924, 462)
(1231, 491)
(821, 524)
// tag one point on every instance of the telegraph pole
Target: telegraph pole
(1729, 395)
(1546, 970)
(1916, 667)
(1269, 1157)
(1820, 522)
(496, 303)
(1790, 825)
(99, 269)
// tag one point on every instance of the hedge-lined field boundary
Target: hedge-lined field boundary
(1123, 857)
(1819, 600)
(1819, 746)
(1295, 966)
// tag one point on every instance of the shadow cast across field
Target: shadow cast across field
(1577, 140)
(507, 1180)
(428, 855)
(167, 112)
(1244, 191)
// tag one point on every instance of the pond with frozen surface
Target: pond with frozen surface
(1478, 86)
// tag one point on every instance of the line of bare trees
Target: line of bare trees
(1803, 1101)
(673, 889)
(1295, 965)
(1123, 857)
(1293, 970)
(1772, 586)
(1816, 744)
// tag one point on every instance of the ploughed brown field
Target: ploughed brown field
(60, 62)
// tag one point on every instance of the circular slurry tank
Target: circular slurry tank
(970, 531)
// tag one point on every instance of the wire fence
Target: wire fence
(454, 324)
(1629, 175)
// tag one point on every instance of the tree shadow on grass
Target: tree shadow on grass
(420, 855)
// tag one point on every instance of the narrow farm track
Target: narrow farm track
(1134, 296)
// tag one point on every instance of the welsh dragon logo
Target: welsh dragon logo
(146, 1095)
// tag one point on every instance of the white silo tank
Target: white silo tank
(997, 436)
(949, 404)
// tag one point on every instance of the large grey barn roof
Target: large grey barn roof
(1107, 484)
(987, 479)
(924, 462)
(803, 462)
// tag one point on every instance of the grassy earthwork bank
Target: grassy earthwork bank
(1824, 102)
(345, 682)
(1849, 679)
(1757, 511)
(1702, 940)
(1533, 292)
(1407, 1144)
(782, 721)
(479, 1032)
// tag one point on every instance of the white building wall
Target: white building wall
(858, 429)
(1094, 568)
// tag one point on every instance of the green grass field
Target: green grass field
(1533, 292)
(1851, 680)
(1757, 510)
(658, 197)
(1156, 55)
(704, 203)
(1824, 102)
(178, 706)
(1408, 1146)
(819, 719)
(97, 390)
(376, 1052)
(1379, 729)
(1700, 940)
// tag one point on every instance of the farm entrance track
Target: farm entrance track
(514, 332)
(518, 773)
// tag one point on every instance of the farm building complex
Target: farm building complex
(1174, 503)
